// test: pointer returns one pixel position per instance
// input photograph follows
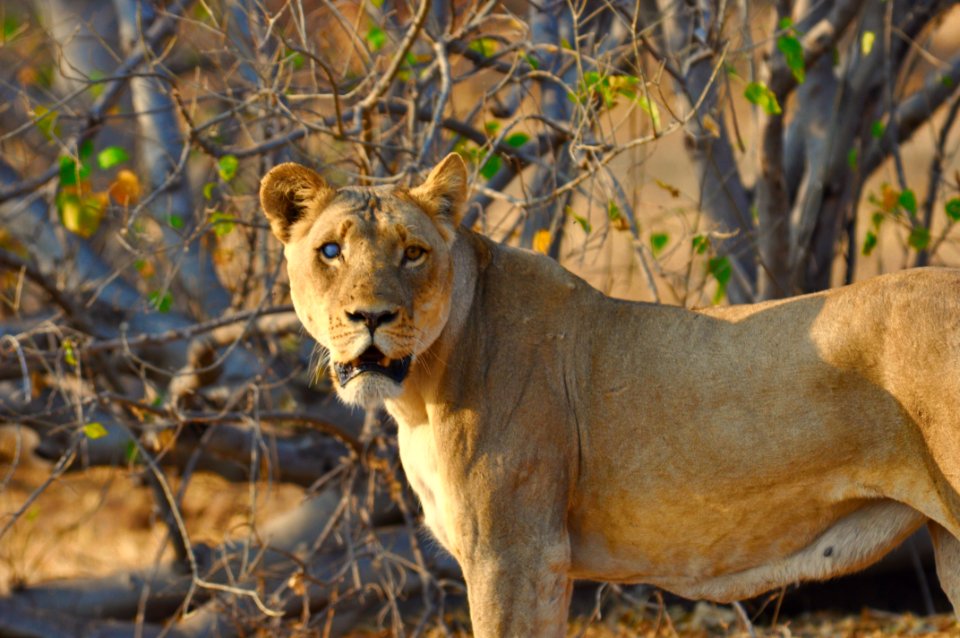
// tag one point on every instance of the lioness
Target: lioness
(554, 433)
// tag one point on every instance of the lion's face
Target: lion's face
(370, 270)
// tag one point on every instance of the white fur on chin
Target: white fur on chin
(368, 390)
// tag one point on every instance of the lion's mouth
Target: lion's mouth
(372, 360)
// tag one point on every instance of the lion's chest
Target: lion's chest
(418, 452)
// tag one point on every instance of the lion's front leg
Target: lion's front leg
(519, 595)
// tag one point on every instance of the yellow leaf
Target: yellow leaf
(297, 584)
(94, 430)
(145, 268)
(710, 125)
(673, 190)
(889, 198)
(125, 189)
(866, 42)
(68, 353)
(166, 439)
(222, 256)
(28, 76)
(541, 241)
(81, 216)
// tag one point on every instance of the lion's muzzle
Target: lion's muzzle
(373, 361)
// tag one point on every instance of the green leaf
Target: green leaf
(953, 209)
(97, 84)
(701, 243)
(721, 270)
(594, 84)
(877, 129)
(491, 166)
(131, 453)
(532, 61)
(484, 46)
(47, 121)
(877, 219)
(176, 221)
(946, 81)
(853, 158)
(94, 430)
(792, 52)
(866, 42)
(919, 238)
(760, 94)
(517, 140)
(85, 150)
(296, 59)
(68, 171)
(111, 156)
(160, 301)
(222, 223)
(227, 167)
(583, 221)
(208, 190)
(908, 201)
(376, 38)
(491, 127)
(651, 109)
(591, 79)
(658, 241)
(613, 211)
(869, 243)
(785, 23)
(10, 27)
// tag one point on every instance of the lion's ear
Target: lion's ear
(444, 192)
(290, 192)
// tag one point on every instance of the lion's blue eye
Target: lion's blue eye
(330, 250)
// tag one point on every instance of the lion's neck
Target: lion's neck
(423, 387)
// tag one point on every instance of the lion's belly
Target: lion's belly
(693, 541)
(859, 533)
(689, 531)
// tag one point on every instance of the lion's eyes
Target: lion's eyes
(330, 250)
(413, 254)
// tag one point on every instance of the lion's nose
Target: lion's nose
(373, 320)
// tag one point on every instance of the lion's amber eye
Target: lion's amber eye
(330, 250)
(413, 253)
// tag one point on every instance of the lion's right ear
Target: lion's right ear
(444, 192)
(289, 193)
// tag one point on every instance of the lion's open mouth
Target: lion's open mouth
(372, 360)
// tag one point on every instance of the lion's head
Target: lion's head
(371, 272)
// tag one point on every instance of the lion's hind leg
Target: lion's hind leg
(946, 549)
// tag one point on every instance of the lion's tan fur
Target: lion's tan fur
(553, 433)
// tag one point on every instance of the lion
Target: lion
(553, 433)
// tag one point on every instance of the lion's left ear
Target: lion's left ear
(291, 192)
(444, 192)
